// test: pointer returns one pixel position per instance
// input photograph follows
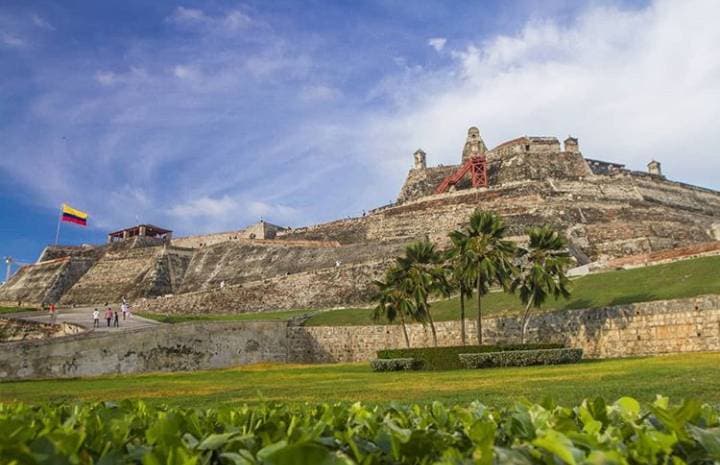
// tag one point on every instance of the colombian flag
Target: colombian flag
(70, 215)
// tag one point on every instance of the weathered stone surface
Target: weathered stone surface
(325, 288)
(21, 330)
(163, 348)
(686, 325)
(131, 272)
(44, 282)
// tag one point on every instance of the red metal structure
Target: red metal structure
(476, 165)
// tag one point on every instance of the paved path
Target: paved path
(83, 317)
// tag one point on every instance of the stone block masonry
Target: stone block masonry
(179, 347)
(650, 328)
(325, 288)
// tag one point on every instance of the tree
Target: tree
(542, 271)
(422, 275)
(459, 267)
(490, 256)
(393, 302)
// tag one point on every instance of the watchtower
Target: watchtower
(420, 161)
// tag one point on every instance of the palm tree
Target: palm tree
(542, 272)
(422, 275)
(393, 302)
(490, 256)
(460, 273)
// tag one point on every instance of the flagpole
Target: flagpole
(57, 233)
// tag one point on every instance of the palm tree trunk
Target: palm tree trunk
(402, 321)
(462, 314)
(432, 324)
(524, 323)
(479, 312)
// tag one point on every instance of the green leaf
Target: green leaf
(557, 444)
(628, 407)
(216, 441)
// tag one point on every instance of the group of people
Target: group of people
(112, 316)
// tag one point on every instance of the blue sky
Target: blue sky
(206, 116)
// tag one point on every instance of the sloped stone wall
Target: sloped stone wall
(45, 282)
(236, 263)
(346, 285)
(686, 325)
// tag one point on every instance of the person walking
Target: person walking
(108, 316)
(116, 322)
(53, 313)
(96, 318)
(124, 309)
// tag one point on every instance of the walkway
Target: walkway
(83, 317)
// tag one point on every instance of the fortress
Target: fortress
(607, 212)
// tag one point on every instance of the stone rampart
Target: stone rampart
(44, 282)
(191, 346)
(686, 325)
(650, 328)
(325, 288)
(240, 262)
(132, 273)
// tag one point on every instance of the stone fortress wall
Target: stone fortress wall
(606, 211)
(650, 328)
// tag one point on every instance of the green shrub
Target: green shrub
(446, 358)
(520, 358)
(396, 364)
(591, 432)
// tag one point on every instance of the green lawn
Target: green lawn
(677, 376)
(259, 316)
(688, 278)
(4, 310)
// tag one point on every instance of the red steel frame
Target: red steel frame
(476, 165)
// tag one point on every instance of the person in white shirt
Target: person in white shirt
(124, 309)
(96, 318)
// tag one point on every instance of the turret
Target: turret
(474, 145)
(571, 145)
(420, 163)
(655, 168)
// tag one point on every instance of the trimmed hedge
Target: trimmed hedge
(446, 358)
(521, 358)
(396, 364)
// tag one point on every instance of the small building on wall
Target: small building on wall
(141, 230)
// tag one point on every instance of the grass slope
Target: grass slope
(5, 310)
(677, 376)
(687, 278)
(259, 316)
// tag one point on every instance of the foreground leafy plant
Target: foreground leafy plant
(592, 432)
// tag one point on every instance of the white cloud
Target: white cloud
(42, 23)
(188, 15)
(438, 43)
(633, 85)
(228, 22)
(206, 207)
(11, 40)
(320, 93)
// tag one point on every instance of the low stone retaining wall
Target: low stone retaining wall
(685, 325)
(190, 346)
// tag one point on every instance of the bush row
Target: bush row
(592, 432)
(396, 364)
(446, 358)
(521, 358)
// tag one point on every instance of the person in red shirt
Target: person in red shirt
(108, 316)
